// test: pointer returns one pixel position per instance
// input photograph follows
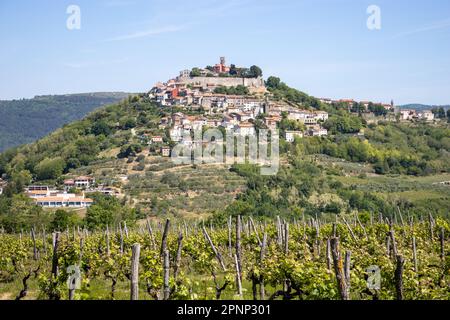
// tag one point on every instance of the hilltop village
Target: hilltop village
(233, 98)
(227, 97)
(238, 100)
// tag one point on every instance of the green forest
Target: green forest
(26, 120)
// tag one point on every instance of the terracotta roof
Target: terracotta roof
(79, 199)
(37, 191)
(246, 125)
(62, 199)
(84, 178)
(50, 199)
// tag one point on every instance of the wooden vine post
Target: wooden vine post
(164, 237)
(150, 232)
(33, 236)
(44, 241)
(393, 242)
(238, 249)
(286, 238)
(339, 270)
(107, 242)
(230, 249)
(55, 254)
(431, 224)
(166, 267)
(136, 250)
(399, 277)
(262, 292)
(347, 269)
(178, 256)
(238, 276)
(416, 268)
(329, 258)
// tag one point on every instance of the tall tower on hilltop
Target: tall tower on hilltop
(395, 108)
(221, 67)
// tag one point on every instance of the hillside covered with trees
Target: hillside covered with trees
(358, 167)
(26, 120)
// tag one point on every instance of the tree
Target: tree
(18, 181)
(50, 168)
(101, 127)
(344, 124)
(64, 219)
(107, 210)
(255, 72)
(20, 212)
(273, 82)
(233, 70)
(129, 150)
(238, 90)
(439, 112)
(377, 109)
(241, 90)
(128, 123)
(73, 163)
(244, 72)
(195, 72)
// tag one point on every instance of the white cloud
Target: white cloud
(87, 64)
(119, 3)
(438, 25)
(147, 33)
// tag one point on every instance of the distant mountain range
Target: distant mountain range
(26, 120)
(418, 106)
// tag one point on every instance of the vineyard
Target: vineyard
(306, 259)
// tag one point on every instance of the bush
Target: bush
(49, 169)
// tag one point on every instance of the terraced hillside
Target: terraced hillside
(165, 188)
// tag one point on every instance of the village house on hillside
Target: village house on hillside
(79, 182)
(411, 114)
(46, 197)
(290, 135)
(192, 86)
(236, 113)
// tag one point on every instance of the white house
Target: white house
(157, 139)
(290, 135)
(62, 200)
(407, 114)
(165, 151)
(176, 134)
(318, 132)
(299, 115)
(426, 115)
(84, 182)
(310, 121)
(245, 129)
(321, 115)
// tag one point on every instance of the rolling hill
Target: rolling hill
(419, 106)
(393, 166)
(26, 120)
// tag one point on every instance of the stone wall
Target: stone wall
(226, 82)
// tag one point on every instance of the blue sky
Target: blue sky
(322, 47)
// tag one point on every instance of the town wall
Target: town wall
(226, 82)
